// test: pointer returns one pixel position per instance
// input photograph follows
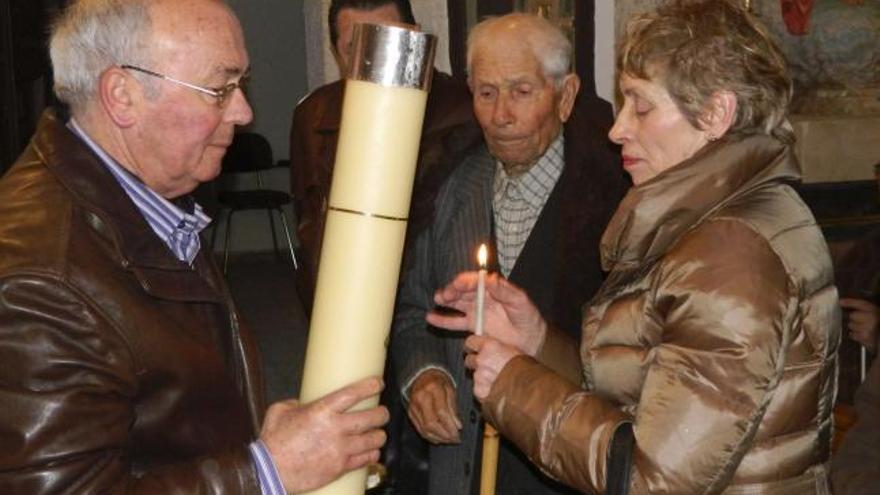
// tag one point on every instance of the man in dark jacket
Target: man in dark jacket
(539, 186)
(315, 128)
(125, 366)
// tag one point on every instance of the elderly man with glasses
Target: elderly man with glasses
(125, 366)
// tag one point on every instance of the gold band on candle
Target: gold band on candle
(366, 214)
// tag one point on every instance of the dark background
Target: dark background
(25, 74)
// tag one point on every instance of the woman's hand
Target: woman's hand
(509, 316)
(862, 321)
(486, 357)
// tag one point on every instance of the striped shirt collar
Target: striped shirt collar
(517, 202)
(538, 181)
(177, 228)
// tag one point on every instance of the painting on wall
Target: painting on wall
(832, 46)
(833, 49)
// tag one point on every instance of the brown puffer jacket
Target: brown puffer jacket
(715, 334)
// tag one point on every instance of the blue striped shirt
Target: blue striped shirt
(267, 473)
(179, 230)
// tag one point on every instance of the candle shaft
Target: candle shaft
(481, 300)
(489, 470)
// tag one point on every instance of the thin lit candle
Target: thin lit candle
(482, 255)
(489, 470)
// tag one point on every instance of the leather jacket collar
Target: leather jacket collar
(115, 218)
(331, 114)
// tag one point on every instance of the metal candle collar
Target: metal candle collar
(392, 56)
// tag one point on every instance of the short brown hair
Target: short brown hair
(404, 9)
(695, 48)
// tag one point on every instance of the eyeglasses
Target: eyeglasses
(221, 94)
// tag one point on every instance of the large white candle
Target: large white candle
(369, 200)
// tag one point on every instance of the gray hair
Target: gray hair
(547, 42)
(92, 35)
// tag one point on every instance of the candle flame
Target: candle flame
(482, 255)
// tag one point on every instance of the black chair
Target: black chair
(251, 153)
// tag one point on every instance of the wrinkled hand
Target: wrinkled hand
(862, 321)
(433, 408)
(509, 316)
(487, 357)
(314, 444)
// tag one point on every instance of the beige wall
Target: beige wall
(274, 35)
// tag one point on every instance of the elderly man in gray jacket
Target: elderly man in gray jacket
(539, 187)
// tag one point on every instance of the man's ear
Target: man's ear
(119, 93)
(721, 113)
(571, 84)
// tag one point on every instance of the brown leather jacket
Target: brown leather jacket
(313, 137)
(715, 334)
(123, 370)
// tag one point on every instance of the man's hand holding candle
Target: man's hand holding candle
(314, 444)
